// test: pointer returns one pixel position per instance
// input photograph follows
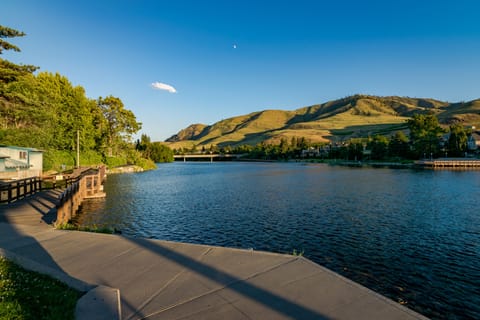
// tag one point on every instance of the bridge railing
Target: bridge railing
(207, 156)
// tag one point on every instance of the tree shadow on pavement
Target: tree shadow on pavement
(268, 299)
(20, 223)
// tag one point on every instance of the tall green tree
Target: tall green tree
(143, 143)
(120, 123)
(399, 146)
(10, 71)
(6, 32)
(379, 147)
(457, 142)
(425, 132)
(355, 150)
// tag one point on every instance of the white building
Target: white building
(19, 162)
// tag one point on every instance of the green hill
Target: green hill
(354, 116)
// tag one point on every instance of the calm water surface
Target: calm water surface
(413, 236)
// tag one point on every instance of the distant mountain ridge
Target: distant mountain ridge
(354, 116)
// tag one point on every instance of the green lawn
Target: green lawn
(29, 295)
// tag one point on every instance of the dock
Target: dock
(153, 279)
(449, 163)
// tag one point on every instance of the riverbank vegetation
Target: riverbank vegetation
(46, 111)
(93, 228)
(155, 151)
(29, 295)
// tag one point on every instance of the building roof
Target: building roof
(14, 164)
(476, 135)
(21, 148)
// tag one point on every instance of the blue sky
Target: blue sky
(228, 58)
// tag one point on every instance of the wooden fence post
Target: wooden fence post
(9, 193)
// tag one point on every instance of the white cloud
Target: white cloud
(163, 86)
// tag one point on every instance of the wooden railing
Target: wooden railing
(86, 185)
(18, 189)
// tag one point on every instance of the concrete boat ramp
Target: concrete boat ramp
(131, 278)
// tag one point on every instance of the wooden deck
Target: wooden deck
(449, 163)
(88, 185)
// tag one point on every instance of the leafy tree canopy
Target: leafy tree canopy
(156, 151)
(46, 111)
(457, 141)
(425, 132)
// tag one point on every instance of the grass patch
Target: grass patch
(29, 295)
(298, 253)
(94, 228)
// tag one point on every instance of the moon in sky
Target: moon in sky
(234, 46)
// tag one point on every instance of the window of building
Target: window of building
(23, 155)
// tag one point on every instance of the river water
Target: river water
(411, 235)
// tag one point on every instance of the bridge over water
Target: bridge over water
(207, 157)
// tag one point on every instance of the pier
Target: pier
(449, 163)
(134, 278)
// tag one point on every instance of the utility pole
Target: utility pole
(78, 148)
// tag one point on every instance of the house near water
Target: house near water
(20, 162)
(473, 142)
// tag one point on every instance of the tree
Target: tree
(160, 152)
(457, 142)
(120, 123)
(6, 32)
(46, 111)
(398, 145)
(10, 71)
(155, 151)
(355, 150)
(379, 147)
(425, 133)
(143, 143)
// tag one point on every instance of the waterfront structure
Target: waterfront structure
(19, 162)
(449, 163)
(473, 142)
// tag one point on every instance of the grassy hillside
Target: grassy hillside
(354, 116)
(189, 133)
(462, 112)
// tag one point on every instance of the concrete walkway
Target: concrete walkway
(167, 280)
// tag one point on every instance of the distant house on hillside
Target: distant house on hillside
(310, 152)
(19, 162)
(473, 142)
